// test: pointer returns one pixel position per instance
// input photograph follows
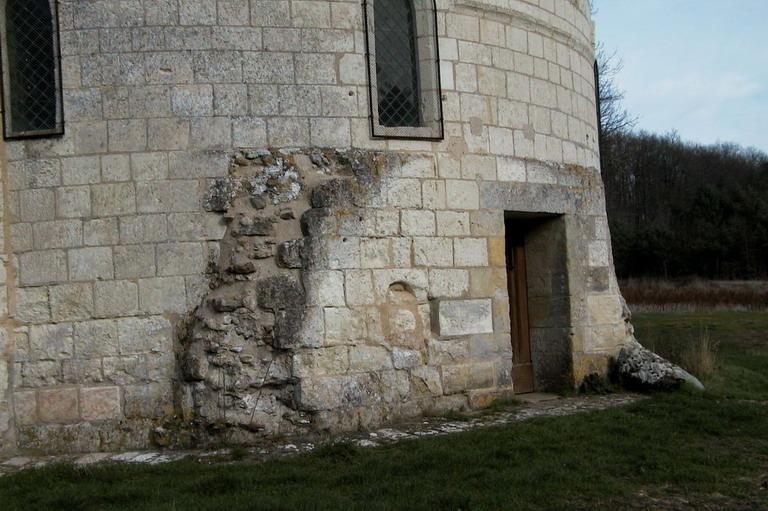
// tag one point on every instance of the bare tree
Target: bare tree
(613, 117)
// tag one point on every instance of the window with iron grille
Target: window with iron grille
(403, 69)
(32, 104)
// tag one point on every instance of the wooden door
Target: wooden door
(517, 283)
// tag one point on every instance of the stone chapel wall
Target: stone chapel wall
(113, 254)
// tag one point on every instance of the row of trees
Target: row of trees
(680, 209)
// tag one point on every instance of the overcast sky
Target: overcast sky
(697, 66)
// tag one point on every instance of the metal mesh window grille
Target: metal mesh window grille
(403, 69)
(397, 65)
(31, 76)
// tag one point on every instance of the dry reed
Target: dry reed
(700, 356)
(646, 295)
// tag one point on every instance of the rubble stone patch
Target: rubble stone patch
(639, 368)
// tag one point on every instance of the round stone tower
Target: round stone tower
(241, 218)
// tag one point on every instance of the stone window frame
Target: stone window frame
(9, 133)
(430, 93)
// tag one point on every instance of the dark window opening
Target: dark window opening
(32, 96)
(397, 63)
(403, 69)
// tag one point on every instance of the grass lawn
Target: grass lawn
(674, 451)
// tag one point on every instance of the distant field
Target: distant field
(654, 295)
(679, 451)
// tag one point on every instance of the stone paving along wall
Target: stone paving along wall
(163, 268)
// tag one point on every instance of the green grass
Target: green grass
(710, 447)
(742, 339)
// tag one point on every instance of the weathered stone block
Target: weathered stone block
(487, 222)
(143, 229)
(453, 223)
(80, 170)
(58, 234)
(116, 167)
(167, 134)
(325, 288)
(132, 261)
(25, 406)
(39, 374)
(359, 287)
(417, 223)
(43, 267)
(369, 358)
(462, 194)
(180, 259)
(51, 342)
(470, 252)
(488, 282)
(330, 132)
(113, 199)
(497, 255)
(73, 202)
(406, 359)
(404, 193)
(375, 253)
(510, 169)
(195, 226)
(433, 252)
(289, 253)
(312, 332)
(100, 403)
(149, 166)
(426, 380)
(249, 132)
(279, 293)
(254, 226)
(162, 294)
(126, 135)
(464, 317)
(455, 378)
(32, 305)
(78, 371)
(481, 375)
(57, 405)
(344, 326)
(102, 231)
(448, 283)
(91, 264)
(147, 401)
(322, 361)
(36, 205)
(315, 68)
(334, 193)
(599, 254)
(604, 309)
(144, 335)
(416, 281)
(71, 302)
(192, 100)
(96, 339)
(167, 196)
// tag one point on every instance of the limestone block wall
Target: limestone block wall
(112, 249)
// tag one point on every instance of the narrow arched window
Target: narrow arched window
(403, 69)
(31, 73)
